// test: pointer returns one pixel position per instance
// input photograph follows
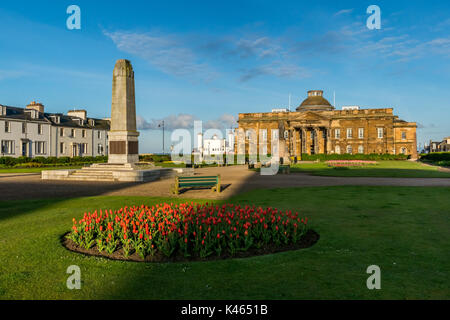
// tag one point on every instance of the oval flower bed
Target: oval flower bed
(188, 231)
(349, 163)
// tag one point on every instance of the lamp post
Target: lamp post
(162, 125)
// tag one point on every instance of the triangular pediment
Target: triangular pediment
(312, 116)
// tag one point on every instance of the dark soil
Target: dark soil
(306, 241)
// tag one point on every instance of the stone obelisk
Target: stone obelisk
(123, 136)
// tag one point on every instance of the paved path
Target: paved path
(235, 179)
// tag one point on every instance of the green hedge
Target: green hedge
(325, 157)
(444, 163)
(11, 162)
(436, 156)
(155, 157)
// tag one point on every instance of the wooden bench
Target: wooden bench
(284, 169)
(197, 182)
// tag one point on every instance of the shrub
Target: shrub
(29, 165)
(8, 161)
(445, 163)
(49, 161)
(191, 229)
(436, 156)
(325, 157)
(155, 157)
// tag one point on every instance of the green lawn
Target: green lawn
(404, 230)
(397, 169)
(35, 170)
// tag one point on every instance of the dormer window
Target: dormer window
(56, 119)
(34, 114)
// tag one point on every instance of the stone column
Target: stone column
(328, 150)
(297, 143)
(321, 140)
(316, 140)
(123, 137)
(307, 141)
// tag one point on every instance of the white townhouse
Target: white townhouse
(31, 132)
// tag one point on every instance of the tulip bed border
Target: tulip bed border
(188, 232)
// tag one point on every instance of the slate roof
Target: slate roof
(15, 113)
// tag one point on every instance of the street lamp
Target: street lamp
(159, 126)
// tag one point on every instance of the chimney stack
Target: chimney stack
(36, 106)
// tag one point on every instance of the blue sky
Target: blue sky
(211, 60)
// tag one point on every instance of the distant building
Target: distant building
(215, 146)
(280, 110)
(350, 108)
(316, 127)
(31, 132)
(438, 146)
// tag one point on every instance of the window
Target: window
(337, 133)
(99, 134)
(61, 132)
(360, 149)
(24, 127)
(337, 149)
(380, 133)
(349, 149)
(403, 135)
(39, 128)
(40, 147)
(84, 147)
(72, 133)
(7, 147)
(100, 148)
(62, 147)
(349, 133)
(263, 134)
(83, 133)
(403, 150)
(7, 126)
(361, 133)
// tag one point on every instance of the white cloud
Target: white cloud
(200, 58)
(11, 74)
(185, 121)
(166, 52)
(344, 11)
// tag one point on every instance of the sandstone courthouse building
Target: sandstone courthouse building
(316, 127)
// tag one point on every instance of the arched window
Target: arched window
(403, 150)
(361, 149)
(349, 149)
(337, 150)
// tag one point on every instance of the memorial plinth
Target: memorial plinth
(123, 154)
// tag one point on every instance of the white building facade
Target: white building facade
(30, 132)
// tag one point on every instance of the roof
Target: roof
(15, 113)
(315, 101)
